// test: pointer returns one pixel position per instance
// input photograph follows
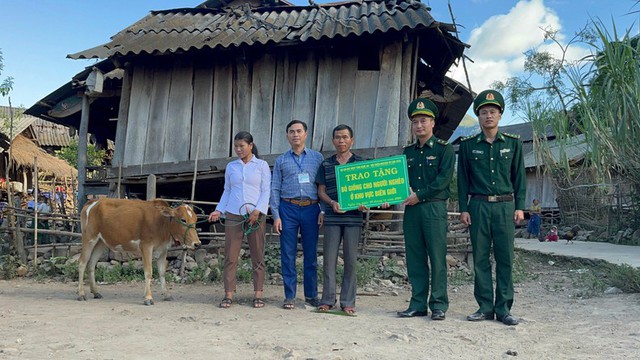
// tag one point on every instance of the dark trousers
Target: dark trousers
(349, 236)
(233, 235)
(492, 224)
(425, 237)
(303, 219)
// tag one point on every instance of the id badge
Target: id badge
(303, 178)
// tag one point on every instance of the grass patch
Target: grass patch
(624, 277)
(8, 267)
(585, 278)
(459, 277)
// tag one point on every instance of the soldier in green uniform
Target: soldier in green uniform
(430, 163)
(492, 190)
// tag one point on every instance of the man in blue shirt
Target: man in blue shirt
(294, 205)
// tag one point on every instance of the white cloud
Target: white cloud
(511, 34)
(498, 45)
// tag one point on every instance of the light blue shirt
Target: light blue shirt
(246, 187)
(285, 182)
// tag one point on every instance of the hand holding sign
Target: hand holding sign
(412, 199)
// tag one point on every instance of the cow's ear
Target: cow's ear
(166, 211)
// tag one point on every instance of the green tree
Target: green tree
(597, 97)
(7, 84)
(70, 154)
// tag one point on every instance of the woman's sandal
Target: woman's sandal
(258, 303)
(226, 303)
(289, 304)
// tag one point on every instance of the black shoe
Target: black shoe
(437, 315)
(312, 301)
(479, 316)
(508, 319)
(411, 313)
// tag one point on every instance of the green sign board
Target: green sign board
(373, 182)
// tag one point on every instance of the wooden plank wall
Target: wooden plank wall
(213, 98)
(155, 143)
(138, 119)
(284, 99)
(222, 110)
(203, 95)
(179, 112)
(262, 98)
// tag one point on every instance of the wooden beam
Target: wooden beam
(151, 187)
(123, 117)
(82, 151)
(220, 164)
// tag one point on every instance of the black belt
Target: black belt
(301, 202)
(493, 198)
(435, 200)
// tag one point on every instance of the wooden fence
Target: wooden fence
(381, 234)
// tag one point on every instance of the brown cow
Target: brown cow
(142, 227)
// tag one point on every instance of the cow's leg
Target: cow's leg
(97, 253)
(85, 256)
(147, 258)
(162, 268)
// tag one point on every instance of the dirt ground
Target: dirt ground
(43, 320)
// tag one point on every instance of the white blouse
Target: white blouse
(246, 187)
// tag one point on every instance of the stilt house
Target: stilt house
(178, 84)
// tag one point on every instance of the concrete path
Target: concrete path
(616, 254)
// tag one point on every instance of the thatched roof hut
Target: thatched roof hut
(23, 152)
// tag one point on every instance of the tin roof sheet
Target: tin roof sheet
(178, 30)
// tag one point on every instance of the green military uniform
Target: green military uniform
(430, 171)
(491, 186)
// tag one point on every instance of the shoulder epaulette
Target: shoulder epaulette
(514, 136)
(442, 142)
(469, 137)
(408, 145)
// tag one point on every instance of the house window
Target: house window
(369, 56)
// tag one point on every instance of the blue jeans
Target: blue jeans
(534, 225)
(304, 219)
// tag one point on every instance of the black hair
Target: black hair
(248, 138)
(342, 127)
(293, 122)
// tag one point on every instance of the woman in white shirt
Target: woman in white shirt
(244, 204)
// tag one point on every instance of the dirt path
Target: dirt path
(615, 254)
(43, 320)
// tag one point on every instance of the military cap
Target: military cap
(422, 106)
(488, 97)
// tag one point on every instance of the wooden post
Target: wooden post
(18, 242)
(151, 187)
(195, 170)
(365, 238)
(82, 151)
(123, 117)
(119, 179)
(35, 213)
(73, 194)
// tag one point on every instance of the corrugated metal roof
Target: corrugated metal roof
(21, 121)
(178, 30)
(525, 130)
(51, 134)
(573, 149)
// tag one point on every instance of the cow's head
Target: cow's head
(183, 225)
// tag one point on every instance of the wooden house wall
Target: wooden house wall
(541, 187)
(179, 108)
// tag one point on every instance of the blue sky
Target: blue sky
(36, 35)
